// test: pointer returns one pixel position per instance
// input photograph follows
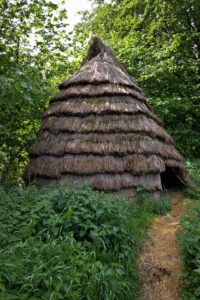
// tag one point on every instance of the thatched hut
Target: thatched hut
(99, 129)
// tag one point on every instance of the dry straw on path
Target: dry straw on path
(159, 262)
(100, 129)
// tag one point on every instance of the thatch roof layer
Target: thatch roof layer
(179, 166)
(106, 182)
(100, 106)
(97, 90)
(88, 124)
(50, 166)
(102, 144)
(99, 71)
(109, 182)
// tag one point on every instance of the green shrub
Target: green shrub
(189, 241)
(194, 172)
(69, 244)
(189, 237)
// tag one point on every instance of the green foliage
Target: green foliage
(32, 57)
(23, 98)
(189, 240)
(31, 32)
(66, 244)
(193, 167)
(162, 57)
(158, 206)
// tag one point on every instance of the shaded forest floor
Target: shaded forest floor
(159, 261)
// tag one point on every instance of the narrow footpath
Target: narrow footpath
(159, 261)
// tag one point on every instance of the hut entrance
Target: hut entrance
(171, 179)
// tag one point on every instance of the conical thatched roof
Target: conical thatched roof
(99, 129)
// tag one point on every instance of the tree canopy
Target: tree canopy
(33, 54)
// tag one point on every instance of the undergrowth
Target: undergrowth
(194, 172)
(189, 237)
(71, 244)
(158, 206)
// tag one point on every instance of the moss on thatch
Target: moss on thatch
(102, 144)
(54, 166)
(97, 90)
(100, 106)
(106, 124)
(105, 182)
(99, 129)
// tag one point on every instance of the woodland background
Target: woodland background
(157, 41)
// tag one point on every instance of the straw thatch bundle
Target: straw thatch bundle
(99, 129)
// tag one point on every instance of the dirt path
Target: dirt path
(159, 261)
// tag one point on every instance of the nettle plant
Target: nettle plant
(59, 243)
(66, 244)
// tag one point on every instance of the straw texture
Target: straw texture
(99, 129)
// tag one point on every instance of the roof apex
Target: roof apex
(96, 47)
(100, 65)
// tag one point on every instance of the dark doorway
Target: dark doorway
(171, 179)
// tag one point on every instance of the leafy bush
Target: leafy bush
(189, 241)
(189, 237)
(194, 171)
(66, 244)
